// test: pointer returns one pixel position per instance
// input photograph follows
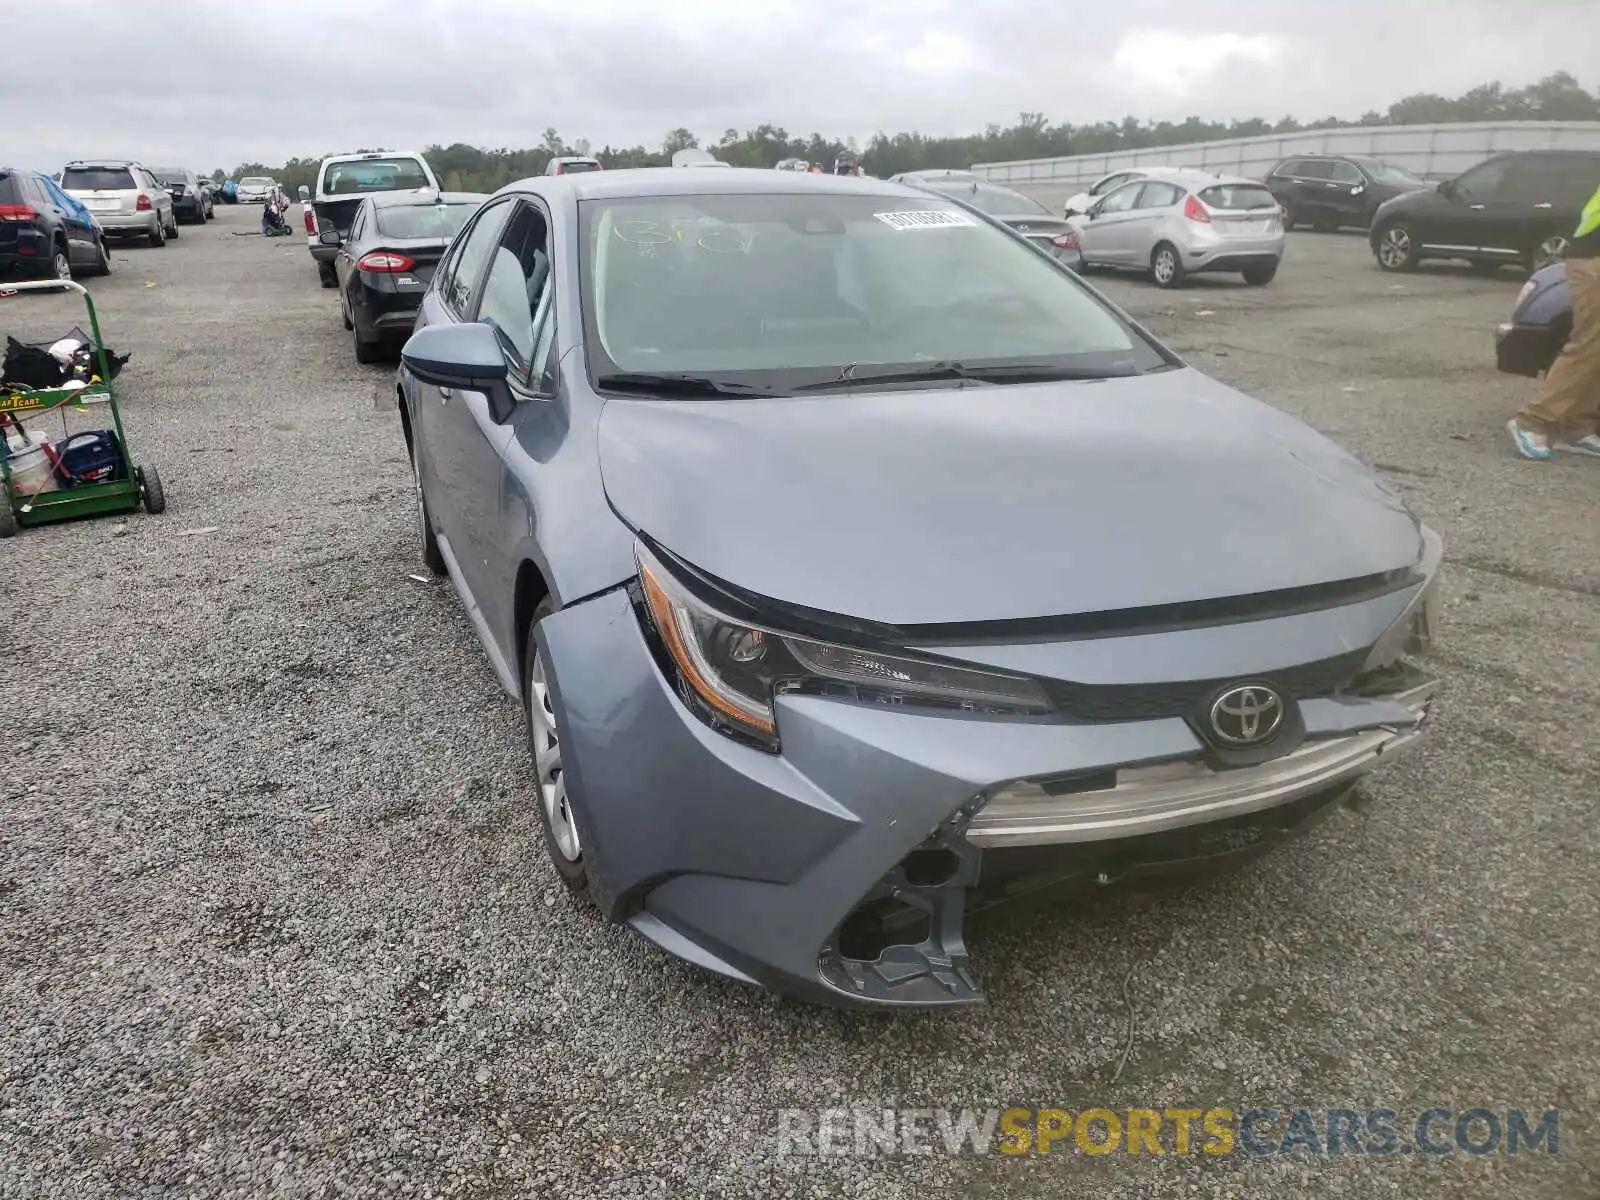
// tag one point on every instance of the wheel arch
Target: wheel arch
(531, 590)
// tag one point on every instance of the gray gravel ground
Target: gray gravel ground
(275, 923)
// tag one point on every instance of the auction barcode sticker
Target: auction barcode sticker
(926, 218)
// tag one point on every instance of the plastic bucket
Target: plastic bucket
(32, 471)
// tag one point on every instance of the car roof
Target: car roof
(105, 162)
(666, 181)
(368, 154)
(423, 198)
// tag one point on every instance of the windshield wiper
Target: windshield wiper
(676, 384)
(1022, 372)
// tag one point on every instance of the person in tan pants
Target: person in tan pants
(1566, 416)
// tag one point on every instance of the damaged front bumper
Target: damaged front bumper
(842, 869)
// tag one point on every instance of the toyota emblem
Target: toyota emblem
(1247, 715)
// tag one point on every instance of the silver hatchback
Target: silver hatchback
(1183, 224)
(125, 197)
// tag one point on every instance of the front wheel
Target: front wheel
(102, 263)
(432, 558)
(1260, 276)
(1166, 267)
(561, 840)
(158, 235)
(1397, 249)
(1552, 250)
(174, 231)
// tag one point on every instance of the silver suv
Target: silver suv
(125, 197)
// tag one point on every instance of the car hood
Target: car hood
(998, 502)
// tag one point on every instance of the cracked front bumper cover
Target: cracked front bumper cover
(762, 866)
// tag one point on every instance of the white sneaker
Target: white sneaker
(1529, 443)
(1588, 444)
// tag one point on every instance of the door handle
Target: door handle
(445, 394)
(1475, 207)
(1546, 204)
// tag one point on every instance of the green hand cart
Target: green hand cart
(128, 488)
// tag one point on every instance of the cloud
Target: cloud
(210, 83)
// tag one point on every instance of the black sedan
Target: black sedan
(1541, 323)
(384, 265)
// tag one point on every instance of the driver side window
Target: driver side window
(1122, 199)
(517, 294)
(466, 266)
(1483, 181)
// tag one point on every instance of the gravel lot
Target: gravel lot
(275, 922)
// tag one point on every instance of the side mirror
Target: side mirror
(1447, 188)
(304, 193)
(330, 237)
(456, 356)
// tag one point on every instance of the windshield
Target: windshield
(254, 181)
(790, 289)
(424, 220)
(169, 175)
(1383, 172)
(97, 179)
(373, 175)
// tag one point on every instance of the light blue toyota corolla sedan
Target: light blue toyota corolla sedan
(858, 567)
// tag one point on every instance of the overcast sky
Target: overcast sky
(208, 83)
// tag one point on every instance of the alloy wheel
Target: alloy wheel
(1552, 249)
(547, 764)
(1394, 248)
(60, 264)
(1164, 267)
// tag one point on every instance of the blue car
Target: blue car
(859, 567)
(46, 232)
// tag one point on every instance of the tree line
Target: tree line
(460, 167)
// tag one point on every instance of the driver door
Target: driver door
(1106, 235)
(435, 435)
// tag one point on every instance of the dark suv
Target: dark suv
(45, 232)
(1515, 208)
(1328, 191)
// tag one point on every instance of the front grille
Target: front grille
(1090, 702)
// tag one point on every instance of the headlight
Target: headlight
(729, 670)
(1417, 627)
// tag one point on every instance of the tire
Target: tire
(158, 236)
(8, 519)
(174, 232)
(1260, 276)
(150, 490)
(327, 275)
(562, 844)
(1551, 250)
(432, 558)
(344, 311)
(1166, 266)
(60, 262)
(1397, 249)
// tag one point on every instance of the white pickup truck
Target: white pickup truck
(343, 182)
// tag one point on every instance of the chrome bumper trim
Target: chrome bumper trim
(1173, 795)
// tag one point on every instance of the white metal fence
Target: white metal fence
(1431, 151)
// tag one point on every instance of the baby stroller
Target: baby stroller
(272, 222)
